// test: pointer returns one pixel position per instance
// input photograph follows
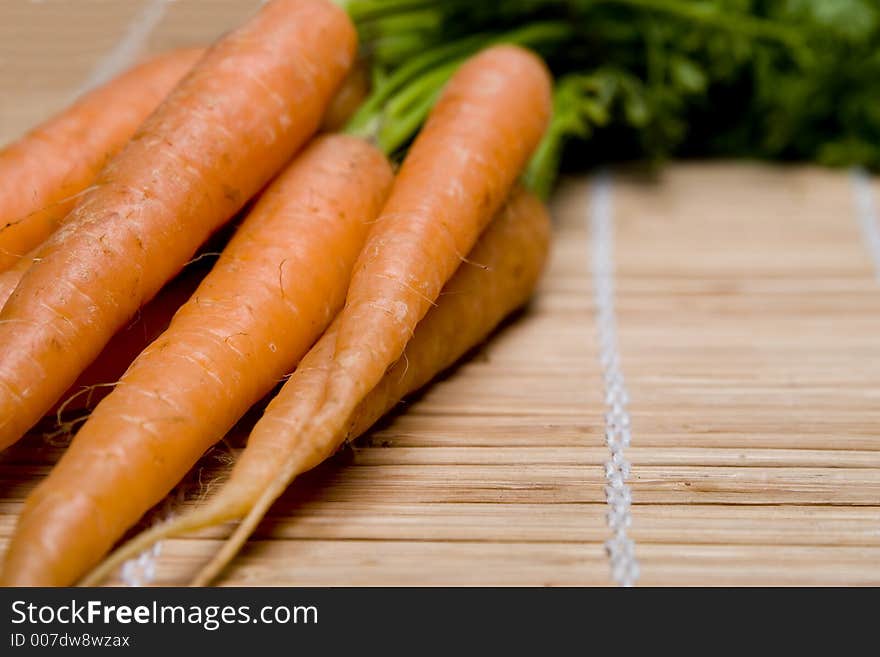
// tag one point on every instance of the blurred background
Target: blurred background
(50, 48)
(789, 80)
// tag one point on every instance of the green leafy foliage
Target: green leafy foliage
(649, 79)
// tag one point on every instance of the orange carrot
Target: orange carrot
(343, 106)
(247, 106)
(498, 278)
(455, 177)
(42, 173)
(10, 278)
(457, 174)
(99, 378)
(271, 294)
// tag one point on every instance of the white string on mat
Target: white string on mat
(141, 570)
(868, 216)
(618, 495)
(129, 46)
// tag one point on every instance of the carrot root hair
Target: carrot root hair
(212, 514)
(232, 546)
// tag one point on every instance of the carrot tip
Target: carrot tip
(211, 514)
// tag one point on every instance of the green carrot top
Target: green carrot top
(646, 79)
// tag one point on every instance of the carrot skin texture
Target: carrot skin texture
(509, 258)
(499, 276)
(152, 320)
(456, 176)
(255, 97)
(43, 172)
(272, 293)
(348, 98)
(10, 278)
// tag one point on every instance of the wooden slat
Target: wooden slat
(321, 519)
(555, 484)
(33, 462)
(407, 563)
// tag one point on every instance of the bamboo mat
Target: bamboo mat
(748, 325)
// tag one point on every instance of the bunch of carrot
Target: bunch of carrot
(336, 278)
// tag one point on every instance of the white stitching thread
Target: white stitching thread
(620, 547)
(127, 48)
(866, 210)
(141, 570)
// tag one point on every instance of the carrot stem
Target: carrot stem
(415, 86)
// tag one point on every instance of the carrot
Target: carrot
(458, 172)
(248, 105)
(345, 103)
(499, 276)
(42, 173)
(98, 379)
(10, 278)
(102, 375)
(246, 326)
